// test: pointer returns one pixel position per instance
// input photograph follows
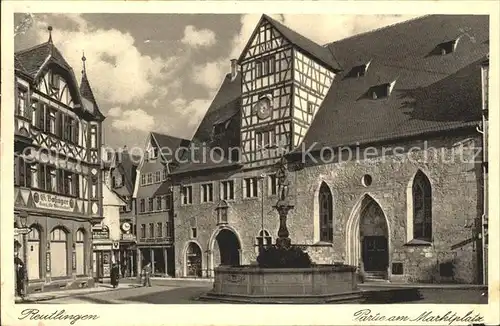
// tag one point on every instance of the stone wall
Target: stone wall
(454, 176)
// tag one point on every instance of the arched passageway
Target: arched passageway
(228, 248)
(193, 260)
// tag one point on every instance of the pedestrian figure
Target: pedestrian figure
(146, 272)
(21, 277)
(115, 275)
(124, 269)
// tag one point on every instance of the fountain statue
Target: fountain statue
(283, 254)
(284, 273)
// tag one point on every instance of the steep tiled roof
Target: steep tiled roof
(320, 53)
(32, 59)
(86, 92)
(431, 92)
(128, 164)
(224, 107)
(169, 144)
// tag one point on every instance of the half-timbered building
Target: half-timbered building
(57, 164)
(372, 127)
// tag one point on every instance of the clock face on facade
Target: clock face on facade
(263, 108)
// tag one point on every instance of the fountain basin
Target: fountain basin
(318, 283)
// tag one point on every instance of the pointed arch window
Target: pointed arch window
(325, 213)
(422, 207)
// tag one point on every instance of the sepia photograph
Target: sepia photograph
(250, 158)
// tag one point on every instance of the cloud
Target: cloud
(134, 120)
(210, 74)
(117, 71)
(193, 110)
(198, 38)
(115, 112)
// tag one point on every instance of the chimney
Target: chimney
(234, 69)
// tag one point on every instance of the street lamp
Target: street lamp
(261, 238)
(23, 219)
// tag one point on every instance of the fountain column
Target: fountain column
(283, 240)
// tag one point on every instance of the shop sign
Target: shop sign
(49, 201)
(101, 234)
(128, 236)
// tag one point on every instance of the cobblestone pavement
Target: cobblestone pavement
(160, 294)
(187, 292)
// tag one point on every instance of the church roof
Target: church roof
(430, 67)
(431, 93)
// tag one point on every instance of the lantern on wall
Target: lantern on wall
(222, 210)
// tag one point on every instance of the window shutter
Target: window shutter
(47, 120)
(28, 174)
(22, 170)
(40, 115)
(76, 132)
(48, 179)
(77, 184)
(60, 124)
(60, 181)
(41, 176)
(16, 170)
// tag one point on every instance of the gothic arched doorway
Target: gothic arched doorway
(228, 248)
(193, 260)
(367, 238)
(374, 238)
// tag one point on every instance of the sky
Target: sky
(159, 72)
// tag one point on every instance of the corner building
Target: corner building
(379, 132)
(154, 210)
(58, 179)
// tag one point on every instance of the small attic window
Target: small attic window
(220, 128)
(445, 47)
(381, 91)
(358, 71)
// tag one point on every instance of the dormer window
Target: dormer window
(358, 71)
(381, 91)
(219, 129)
(445, 47)
(448, 47)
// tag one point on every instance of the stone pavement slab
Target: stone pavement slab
(35, 297)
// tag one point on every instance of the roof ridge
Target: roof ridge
(167, 135)
(377, 29)
(306, 44)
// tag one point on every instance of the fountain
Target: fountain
(284, 273)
